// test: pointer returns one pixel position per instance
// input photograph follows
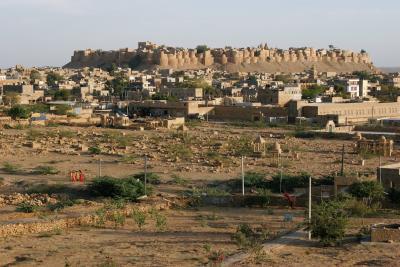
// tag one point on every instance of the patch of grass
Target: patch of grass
(33, 134)
(51, 233)
(60, 205)
(176, 179)
(128, 159)
(241, 147)
(52, 124)
(140, 218)
(45, 170)
(67, 134)
(180, 151)
(11, 168)
(160, 220)
(215, 192)
(118, 218)
(248, 238)
(26, 207)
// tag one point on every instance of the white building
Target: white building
(353, 87)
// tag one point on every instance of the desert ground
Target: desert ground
(185, 161)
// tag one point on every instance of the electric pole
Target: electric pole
(242, 176)
(380, 170)
(342, 165)
(145, 175)
(99, 172)
(309, 208)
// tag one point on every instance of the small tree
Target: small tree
(35, 75)
(369, 191)
(62, 94)
(18, 112)
(11, 99)
(53, 78)
(328, 222)
(201, 49)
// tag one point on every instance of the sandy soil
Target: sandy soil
(191, 235)
(183, 243)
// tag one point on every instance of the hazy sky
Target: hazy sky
(45, 32)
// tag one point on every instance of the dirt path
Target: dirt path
(298, 237)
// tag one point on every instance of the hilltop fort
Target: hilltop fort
(261, 58)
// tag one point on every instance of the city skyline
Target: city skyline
(46, 32)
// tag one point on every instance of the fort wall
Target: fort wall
(151, 54)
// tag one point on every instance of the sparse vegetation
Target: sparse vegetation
(140, 218)
(328, 222)
(11, 168)
(26, 207)
(176, 179)
(45, 170)
(369, 191)
(151, 178)
(94, 150)
(124, 188)
(247, 237)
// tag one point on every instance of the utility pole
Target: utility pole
(207, 108)
(280, 178)
(380, 170)
(242, 176)
(145, 175)
(309, 208)
(99, 173)
(342, 166)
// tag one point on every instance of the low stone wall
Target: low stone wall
(382, 233)
(38, 226)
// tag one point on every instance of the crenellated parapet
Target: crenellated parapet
(181, 58)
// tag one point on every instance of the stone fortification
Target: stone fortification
(261, 58)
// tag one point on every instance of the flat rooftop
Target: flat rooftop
(392, 166)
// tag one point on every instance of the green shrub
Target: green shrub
(160, 220)
(289, 182)
(127, 188)
(19, 112)
(262, 199)
(371, 191)
(356, 208)
(152, 178)
(241, 147)
(140, 218)
(328, 222)
(179, 180)
(248, 238)
(60, 205)
(94, 150)
(118, 218)
(304, 134)
(45, 170)
(26, 207)
(180, 151)
(252, 180)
